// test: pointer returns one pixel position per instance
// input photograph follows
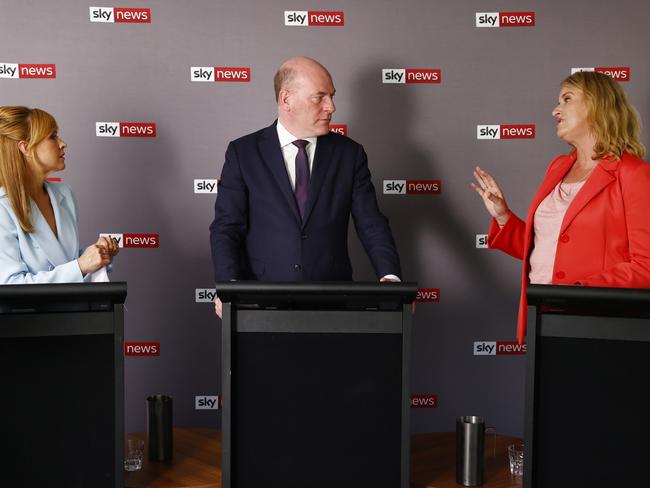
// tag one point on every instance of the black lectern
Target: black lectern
(62, 400)
(587, 399)
(315, 384)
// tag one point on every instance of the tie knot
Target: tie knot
(300, 143)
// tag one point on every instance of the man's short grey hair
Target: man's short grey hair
(282, 79)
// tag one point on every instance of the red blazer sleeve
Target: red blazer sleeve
(511, 238)
(635, 273)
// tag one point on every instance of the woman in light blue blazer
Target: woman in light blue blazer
(39, 237)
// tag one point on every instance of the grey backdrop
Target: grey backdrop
(140, 72)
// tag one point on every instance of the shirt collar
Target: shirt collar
(287, 137)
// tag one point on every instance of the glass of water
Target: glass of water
(133, 454)
(516, 458)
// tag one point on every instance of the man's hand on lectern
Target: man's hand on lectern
(218, 309)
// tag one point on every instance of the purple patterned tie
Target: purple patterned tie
(302, 175)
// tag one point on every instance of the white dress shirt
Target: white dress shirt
(289, 151)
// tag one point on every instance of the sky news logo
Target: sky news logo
(619, 73)
(142, 348)
(207, 402)
(126, 15)
(22, 71)
(125, 129)
(304, 18)
(205, 186)
(505, 19)
(481, 241)
(506, 131)
(411, 75)
(339, 129)
(426, 400)
(205, 295)
(428, 295)
(412, 187)
(499, 348)
(241, 74)
(135, 240)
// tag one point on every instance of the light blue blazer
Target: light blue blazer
(40, 257)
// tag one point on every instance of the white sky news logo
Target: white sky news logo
(240, 74)
(135, 240)
(411, 75)
(481, 241)
(505, 19)
(207, 402)
(619, 73)
(426, 400)
(142, 348)
(22, 70)
(339, 129)
(499, 348)
(125, 129)
(313, 18)
(205, 186)
(127, 15)
(205, 295)
(412, 187)
(506, 131)
(428, 295)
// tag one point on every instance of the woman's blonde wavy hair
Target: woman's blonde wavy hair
(16, 173)
(615, 123)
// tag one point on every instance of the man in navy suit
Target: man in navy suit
(287, 192)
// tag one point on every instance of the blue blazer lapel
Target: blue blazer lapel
(269, 146)
(322, 163)
(45, 238)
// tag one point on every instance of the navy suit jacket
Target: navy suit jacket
(257, 232)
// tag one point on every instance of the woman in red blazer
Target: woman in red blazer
(589, 222)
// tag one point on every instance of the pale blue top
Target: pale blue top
(40, 257)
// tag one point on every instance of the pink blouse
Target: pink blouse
(546, 225)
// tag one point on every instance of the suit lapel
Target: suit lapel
(43, 234)
(552, 179)
(322, 160)
(272, 156)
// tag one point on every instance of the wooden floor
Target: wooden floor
(197, 462)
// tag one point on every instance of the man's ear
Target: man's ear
(283, 101)
(22, 146)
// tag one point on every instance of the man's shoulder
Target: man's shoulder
(253, 137)
(340, 140)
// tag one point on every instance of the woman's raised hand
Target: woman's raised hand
(492, 196)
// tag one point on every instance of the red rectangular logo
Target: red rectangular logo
(511, 348)
(428, 295)
(620, 73)
(525, 131)
(339, 129)
(227, 73)
(142, 348)
(132, 15)
(423, 75)
(141, 240)
(516, 19)
(326, 18)
(37, 71)
(54, 179)
(424, 401)
(137, 129)
(423, 187)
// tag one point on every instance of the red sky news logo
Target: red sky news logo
(128, 15)
(505, 19)
(54, 179)
(506, 131)
(499, 348)
(339, 129)
(135, 240)
(411, 75)
(481, 241)
(241, 74)
(428, 295)
(205, 186)
(426, 400)
(20, 70)
(205, 295)
(304, 18)
(125, 129)
(619, 73)
(142, 348)
(208, 402)
(412, 187)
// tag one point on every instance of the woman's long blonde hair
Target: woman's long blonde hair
(16, 173)
(615, 123)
